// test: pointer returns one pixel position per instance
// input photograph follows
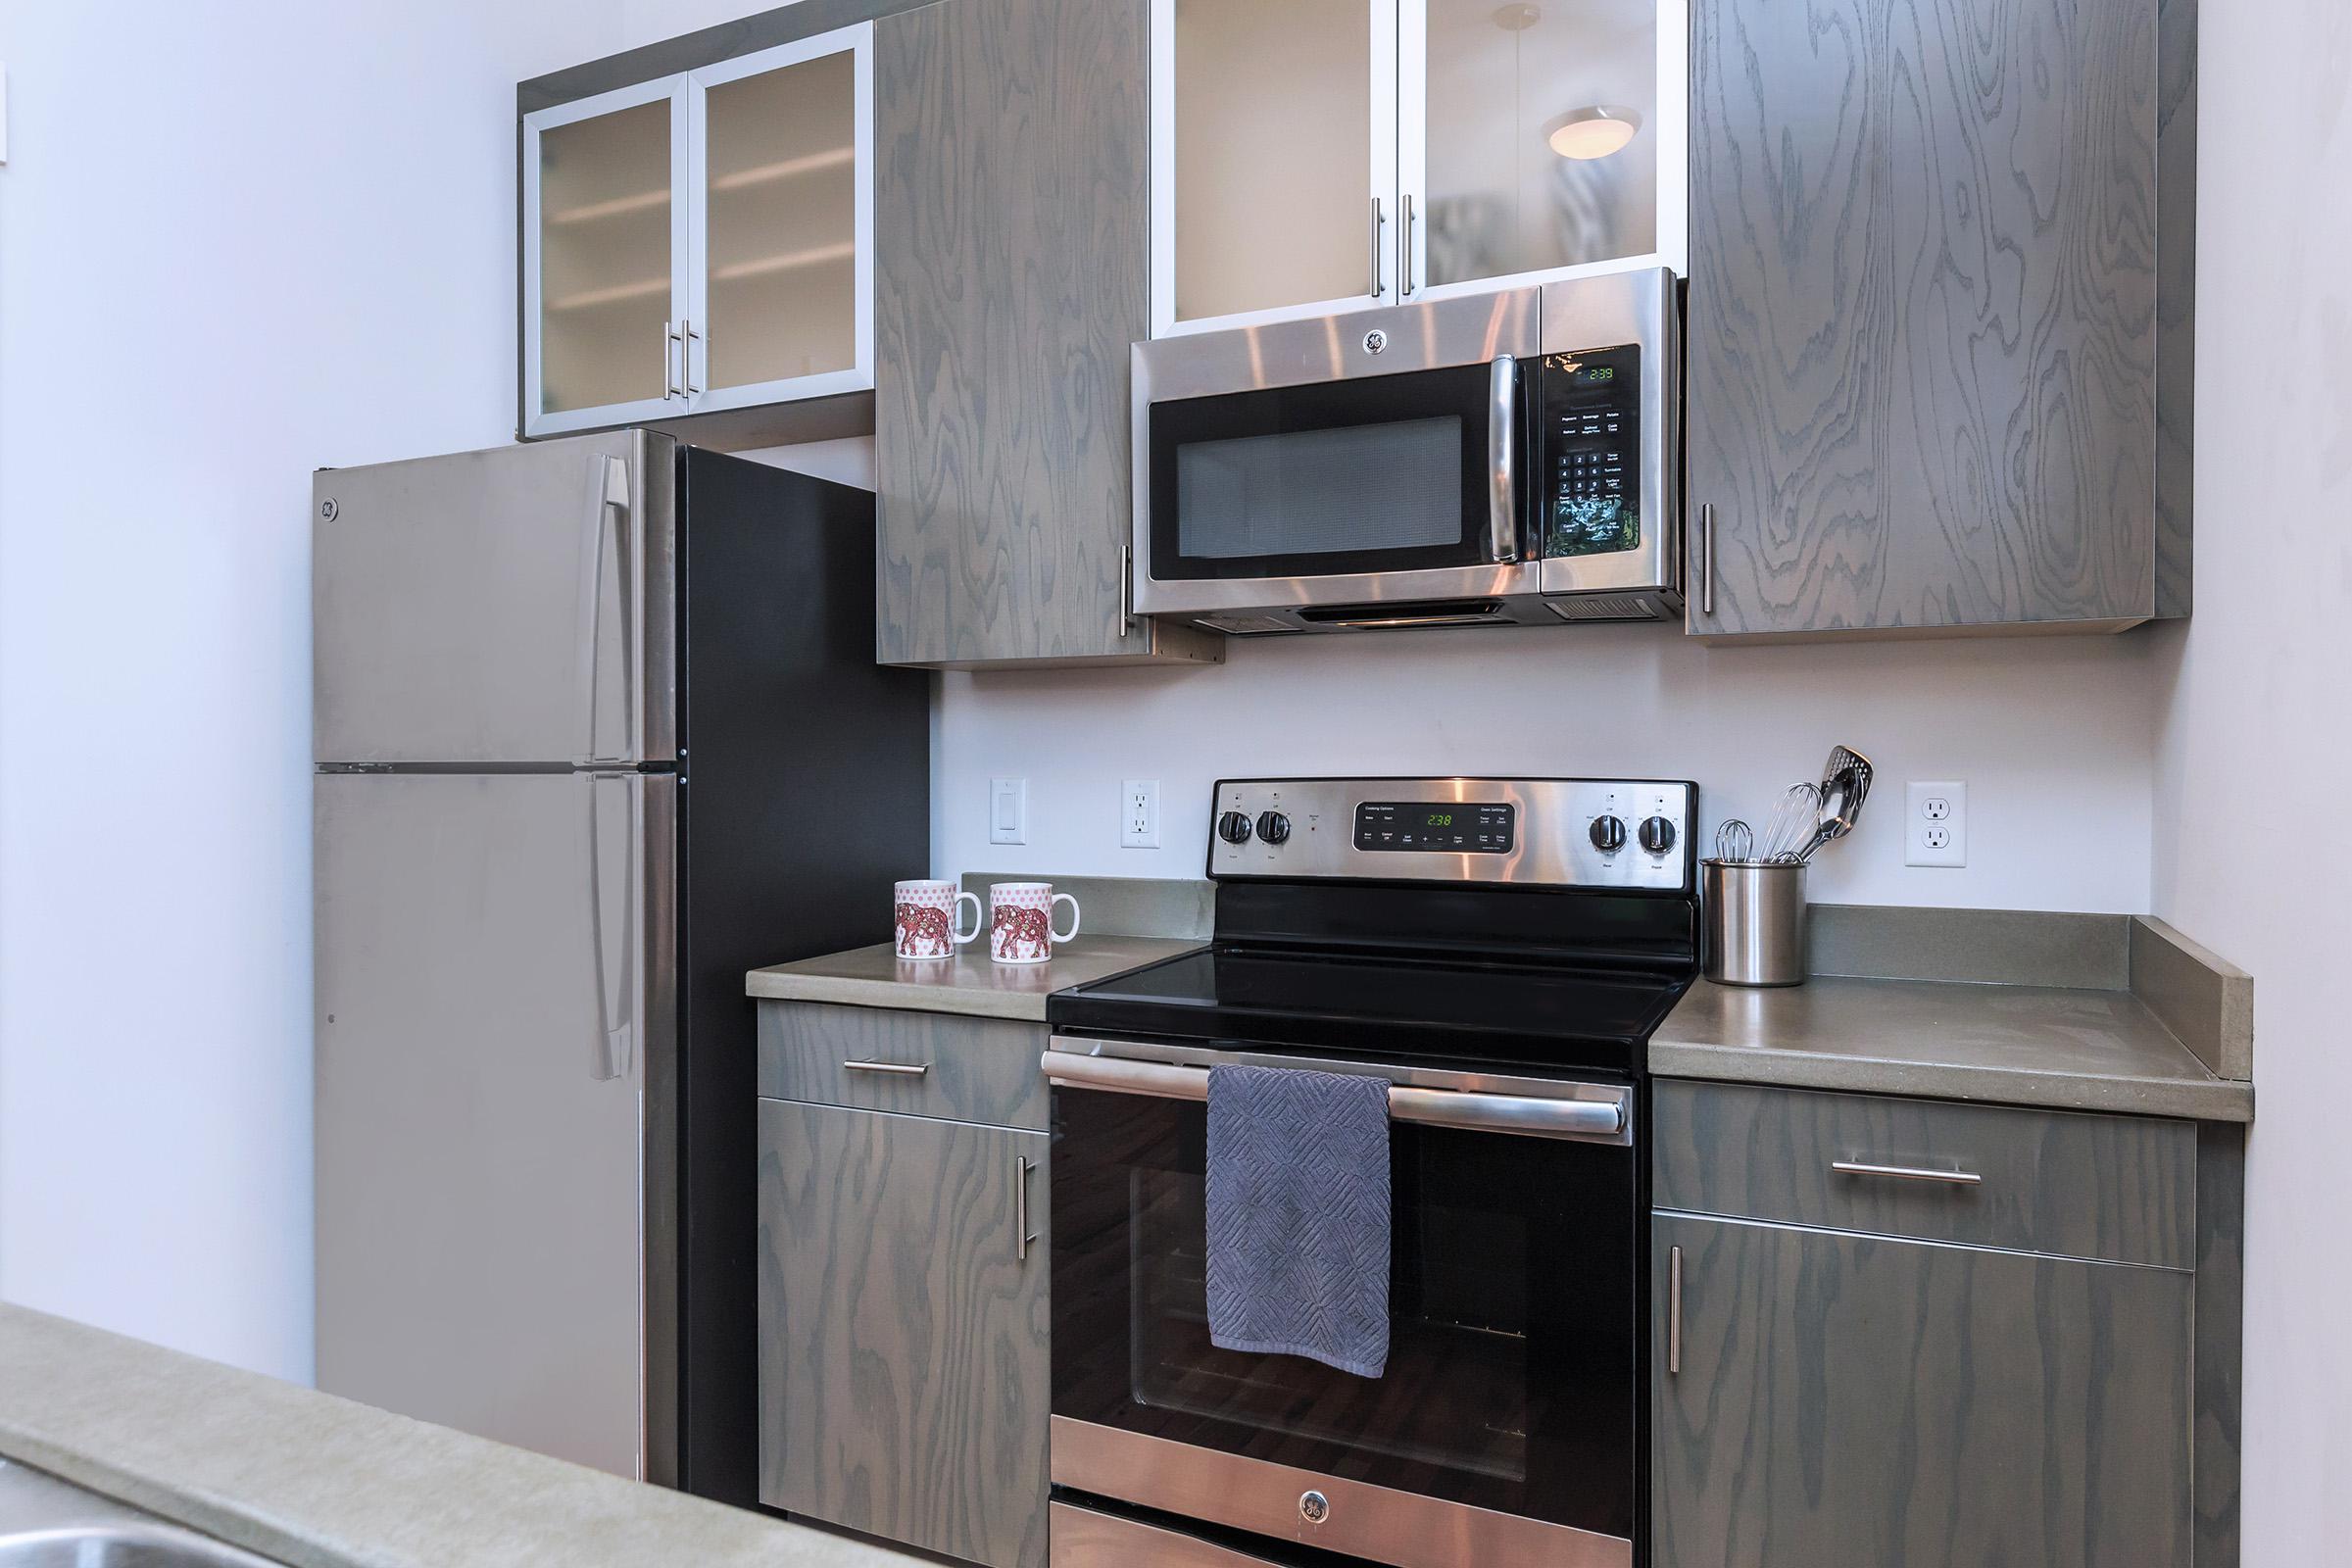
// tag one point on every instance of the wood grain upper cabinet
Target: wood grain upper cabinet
(1939, 314)
(902, 1330)
(1830, 1399)
(1010, 258)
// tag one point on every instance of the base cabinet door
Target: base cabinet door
(1833, 1401)
(903, 1334)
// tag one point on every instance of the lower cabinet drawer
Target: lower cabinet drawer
(914, 1063)
(904, 1385)
(2116, 1188)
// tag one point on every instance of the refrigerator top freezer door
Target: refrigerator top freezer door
(504, 607)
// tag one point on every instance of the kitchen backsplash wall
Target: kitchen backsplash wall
(2054, 736)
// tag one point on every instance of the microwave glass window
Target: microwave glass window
(1590, 407)
(1327, 479)
(1541, 135)
(1321, 492)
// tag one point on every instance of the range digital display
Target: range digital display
(1436, 827)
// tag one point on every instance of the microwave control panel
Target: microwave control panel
(1590, 414)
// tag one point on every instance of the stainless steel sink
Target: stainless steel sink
(46, 1523)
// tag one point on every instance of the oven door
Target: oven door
(1505, 1427)
(1368, 461)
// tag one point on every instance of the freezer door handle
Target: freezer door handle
(614, 1044)
(609, 489)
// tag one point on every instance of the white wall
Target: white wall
(2052, 737)
(237, 242)
(2255, 740)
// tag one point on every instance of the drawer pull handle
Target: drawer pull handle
(1906, 1173)
(905, 1069)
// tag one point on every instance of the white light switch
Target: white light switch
(1007, 811)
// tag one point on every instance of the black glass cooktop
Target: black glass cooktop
(1555, 1011)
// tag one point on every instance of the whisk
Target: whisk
(1793, 821)
(1735, 841)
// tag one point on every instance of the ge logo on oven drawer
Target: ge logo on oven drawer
(1375, 341)
(1314, 1507)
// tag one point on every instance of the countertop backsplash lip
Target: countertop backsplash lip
(1182, 908)
(2203, 1000)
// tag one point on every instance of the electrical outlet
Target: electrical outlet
(1936, 824)
(1138, 814)
(1007, 811)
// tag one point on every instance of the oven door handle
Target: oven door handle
(1587, 1120)
(1502, 462)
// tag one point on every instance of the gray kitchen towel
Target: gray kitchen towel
(1299, 1215)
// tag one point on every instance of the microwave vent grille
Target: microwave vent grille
(1245, 626)
(1604, 607)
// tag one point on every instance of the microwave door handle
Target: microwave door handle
(1502, 460)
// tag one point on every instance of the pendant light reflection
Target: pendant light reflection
(1595, 133)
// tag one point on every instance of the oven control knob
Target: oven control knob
(1658, 835)
(1273, 826)
(1314, 1507)
(1608, 834)
(1234, 828)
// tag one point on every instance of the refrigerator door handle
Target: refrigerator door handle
(615, 1044)
(610, 491)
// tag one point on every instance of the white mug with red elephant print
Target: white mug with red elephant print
(1021, 924)
(926, 919)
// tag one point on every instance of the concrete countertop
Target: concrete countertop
(318, 1482)
(2074, 1050)
(968, 983)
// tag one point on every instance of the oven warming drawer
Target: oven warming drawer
(1378, 1524)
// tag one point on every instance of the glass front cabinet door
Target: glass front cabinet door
(701, 242)
(1321, 156)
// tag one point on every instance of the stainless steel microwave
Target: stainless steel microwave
(1501, 458)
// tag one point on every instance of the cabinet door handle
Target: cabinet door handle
(905, 1069)
(686, 360)
(1126, 591)
(1907, 1173)
(1706, 560)
(1405, 274)
(1021, 1205)
(673, 349)
(1674, 1311)
(1380, 224)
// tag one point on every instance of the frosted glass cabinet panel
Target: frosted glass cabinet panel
(1539, 135)
(1500, 144)
(784, 180)
(701, 242)
(1273, 158)
(606, 273)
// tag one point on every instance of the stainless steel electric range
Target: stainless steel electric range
(1500, 951)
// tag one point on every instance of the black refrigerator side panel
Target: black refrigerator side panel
(807, 793)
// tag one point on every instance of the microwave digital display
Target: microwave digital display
(1440, 827)
(1590, 414)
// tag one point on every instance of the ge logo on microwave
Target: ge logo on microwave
(1375, 341)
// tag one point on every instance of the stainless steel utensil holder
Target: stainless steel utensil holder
(1756, 923)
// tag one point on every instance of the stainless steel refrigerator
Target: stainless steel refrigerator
(598, 728)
